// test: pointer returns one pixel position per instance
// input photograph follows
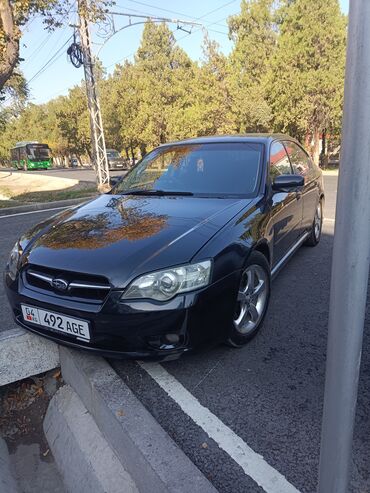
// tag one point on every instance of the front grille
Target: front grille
(67, 284)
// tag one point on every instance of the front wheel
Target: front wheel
(252, 300)
(316, 228)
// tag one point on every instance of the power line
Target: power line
(46, 66)
(47, 38)
(184, 15)
(186, 35)
(51, 60)
(36, 50)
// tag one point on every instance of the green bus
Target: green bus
(31, 155)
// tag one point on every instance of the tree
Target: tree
(210, 111)
(307, 70)
(254, 34)
(72, 123)
(15, 13)
(163, 71)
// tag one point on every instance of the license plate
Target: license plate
(56, 321)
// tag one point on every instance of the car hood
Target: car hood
(120, 237)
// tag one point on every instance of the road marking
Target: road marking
(253, 464)
(36, 212)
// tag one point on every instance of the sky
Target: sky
(38, 46)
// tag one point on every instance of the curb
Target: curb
(84, 459)
(23, 354)
(43, 205)
(148, 454)
(7, 481)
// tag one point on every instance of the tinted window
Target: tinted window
(279, 161)
(38, 151)
(301, 163)
(22, 153)
(14, 154)
(220, 169)
(112, 154)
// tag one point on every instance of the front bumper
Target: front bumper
(136, 328)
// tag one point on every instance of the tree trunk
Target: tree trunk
(10, 57)
(316, 146)
(307, 142)
(323, 159)
(132, 155)
(142, 150)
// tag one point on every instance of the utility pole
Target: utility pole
(80, 54)
(99, 154)
(351, 259)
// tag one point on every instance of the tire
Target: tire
(244, 328)
(316, 228)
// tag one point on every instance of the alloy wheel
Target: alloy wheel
(251, 299)
(318, 221)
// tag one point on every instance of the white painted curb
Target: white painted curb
(7, 482)
(23, 354)
(84, 459)
(151, 457)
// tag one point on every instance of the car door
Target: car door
(286, 207)
(302, 165)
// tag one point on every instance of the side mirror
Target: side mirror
(287, 183)
(114, 180)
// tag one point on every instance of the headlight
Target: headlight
(13, 261)
(165, 284)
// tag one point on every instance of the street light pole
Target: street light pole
(350, 265)
(99, 154)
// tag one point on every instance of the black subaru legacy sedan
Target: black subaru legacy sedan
(179, 254)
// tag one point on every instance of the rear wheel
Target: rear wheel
(315, 233)
(252, 300)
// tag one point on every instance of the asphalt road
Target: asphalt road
(82, 174)
(266, 398)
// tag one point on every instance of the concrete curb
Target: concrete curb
(153, 460)
(84, 459)
(43, 205)
(330, 172)
(23, 354)
(7, 481)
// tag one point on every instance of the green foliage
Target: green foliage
(307, 69)
(254, 34)
(284, 73)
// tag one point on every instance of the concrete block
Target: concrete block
(7, 481)
(23, 354)
(154, 461)
(84, 459)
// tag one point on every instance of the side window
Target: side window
(279, 161)
(301, 163)
(23, 154)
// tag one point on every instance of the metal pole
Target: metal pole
(350, 265)
(99, 154)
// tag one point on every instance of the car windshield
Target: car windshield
(38, 152)
(204, 169)
(112, 154)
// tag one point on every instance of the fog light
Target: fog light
(166, 341)
(172, 338)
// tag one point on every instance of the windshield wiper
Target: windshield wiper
(160, 193)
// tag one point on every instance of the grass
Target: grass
(47, 196)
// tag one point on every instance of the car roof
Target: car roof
(262, 138)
